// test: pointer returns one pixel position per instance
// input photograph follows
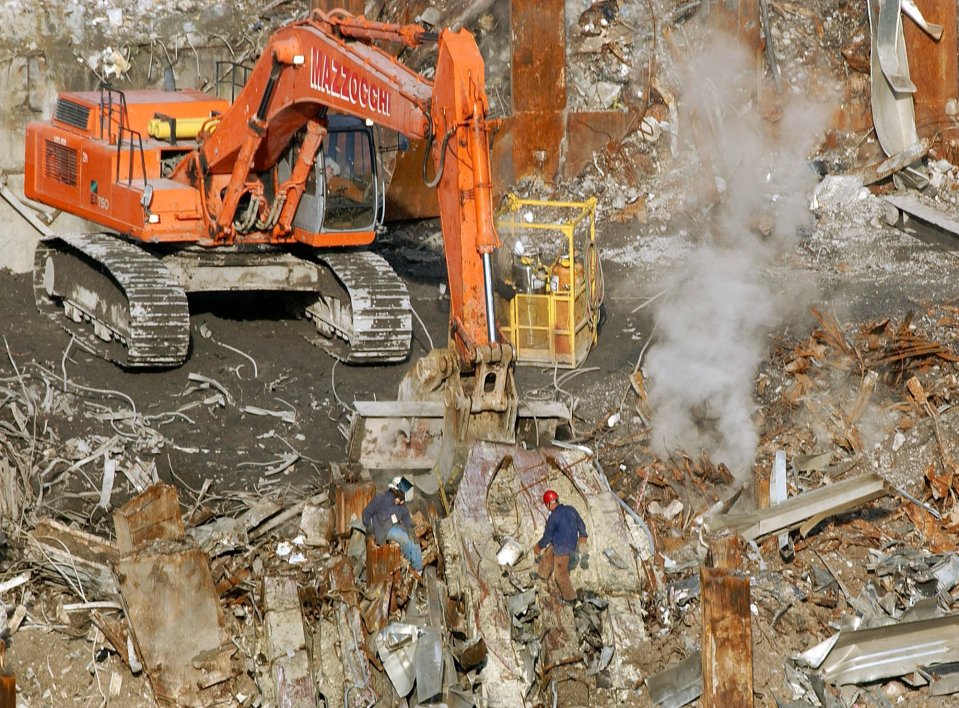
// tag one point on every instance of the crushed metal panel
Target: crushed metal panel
(679, 684)
(893, 112)
(878, 653)
(151, 515)
(539, 55)
(832, 499)
(177, 623)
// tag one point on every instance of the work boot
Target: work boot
(534, 576)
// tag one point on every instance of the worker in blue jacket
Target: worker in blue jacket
(565, 532)
(388, 518)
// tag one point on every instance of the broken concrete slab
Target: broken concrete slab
(500, 485)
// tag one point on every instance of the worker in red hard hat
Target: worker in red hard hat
(565, 533)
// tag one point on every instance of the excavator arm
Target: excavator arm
(326, 62)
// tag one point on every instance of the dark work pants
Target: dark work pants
(549, 562)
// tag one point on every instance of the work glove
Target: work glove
(573, 560)
(584, 561)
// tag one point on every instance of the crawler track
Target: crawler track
(122, 304)
(371, 319)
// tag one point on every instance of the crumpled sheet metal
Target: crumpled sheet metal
(515, 479)
(895, 650)
(579, 483)
(893, 112)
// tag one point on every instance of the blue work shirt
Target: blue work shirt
(563, 529)
(382, 514)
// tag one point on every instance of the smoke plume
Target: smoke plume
(754, 181)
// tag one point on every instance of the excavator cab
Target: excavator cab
(345, 191)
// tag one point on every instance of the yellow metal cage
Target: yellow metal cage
(553, 279)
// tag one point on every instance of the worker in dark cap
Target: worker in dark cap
(565, 532)
(388, 518)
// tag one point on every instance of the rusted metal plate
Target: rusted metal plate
(381, 561)
(349, 501)
(177, 623)
(356, 7)
(407, 196)
(727, 644)
(539, 55)
(527, 145)
(591, 131)
(738, 17)
(153, 514)
(932, 65)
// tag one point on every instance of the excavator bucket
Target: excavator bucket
(410, 435)
(439, 409)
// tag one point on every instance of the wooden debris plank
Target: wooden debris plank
(727, 647)
(76, 557)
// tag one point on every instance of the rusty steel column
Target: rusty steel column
(727, 643)
(532, 139)
(932, 65)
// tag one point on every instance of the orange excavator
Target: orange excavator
(278, 190)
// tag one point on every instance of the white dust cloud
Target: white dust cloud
(711, 331)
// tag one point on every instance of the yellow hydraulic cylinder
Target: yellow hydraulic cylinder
(186, 128)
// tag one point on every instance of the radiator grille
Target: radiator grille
(60, 163)
(72, 113)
